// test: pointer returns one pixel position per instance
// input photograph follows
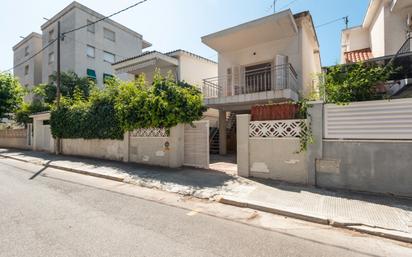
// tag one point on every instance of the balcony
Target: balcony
(243, 87)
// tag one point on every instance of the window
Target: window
(90, 26)
(51, 35)
(108, 57)
(51, 57)
(26, 69)
(26, 51)
(108, 34)
(90, 51)
(91, 74)
(106, 76)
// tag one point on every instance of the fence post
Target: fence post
(315, 150)
(126, 146)
(242, 130)
(176, 146)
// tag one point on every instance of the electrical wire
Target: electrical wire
(330, 22)
(31, 57)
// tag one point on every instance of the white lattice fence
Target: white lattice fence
(277, 128)
(149, 132)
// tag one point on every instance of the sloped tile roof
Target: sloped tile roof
(358, 55)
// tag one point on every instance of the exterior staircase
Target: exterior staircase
(230, 132)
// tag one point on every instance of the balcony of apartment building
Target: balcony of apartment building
(244, 86)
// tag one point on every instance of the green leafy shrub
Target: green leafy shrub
(70, 83)
(11, 94)
(22, 114)
(355, 82)
(125, 106)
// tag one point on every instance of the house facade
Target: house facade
(30, 73)
(89, 51)
(385, 28)
(184, 65)
(268, 60)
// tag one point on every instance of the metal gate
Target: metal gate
(196, 144)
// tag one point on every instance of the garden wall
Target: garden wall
(14, 138)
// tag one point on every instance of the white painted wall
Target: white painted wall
(96, 148)
(310, 62)
(377, 33)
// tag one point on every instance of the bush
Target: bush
(355, 82)
(11, 94)
(22, 115)
(125, 106)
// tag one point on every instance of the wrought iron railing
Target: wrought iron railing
(405, 48)
(252, 81)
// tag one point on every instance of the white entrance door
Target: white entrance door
(196, 144)
(44, 136)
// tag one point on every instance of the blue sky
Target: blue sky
(179, 24)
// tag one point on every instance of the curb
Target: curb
(385, 233)
(78, 171)
(230, 200)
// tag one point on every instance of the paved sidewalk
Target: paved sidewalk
(381, 215)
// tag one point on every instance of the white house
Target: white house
(271, 59)
(385, 28)
(184, 65)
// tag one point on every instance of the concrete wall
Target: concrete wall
(159, 151)
(96, 148)
(373, 166)
(14, 138)
(277, 158)
(273, 158)
(310, 62)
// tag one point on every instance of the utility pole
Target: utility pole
(274, 6)
(58, 81)
(346, 21)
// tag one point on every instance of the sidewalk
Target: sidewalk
(380, 215)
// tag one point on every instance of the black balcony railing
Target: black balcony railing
(252, 81)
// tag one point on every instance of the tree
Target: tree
(22, 114)
(11, 94)
(70, 82)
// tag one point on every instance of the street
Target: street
(48, 212)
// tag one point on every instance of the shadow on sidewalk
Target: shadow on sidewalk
(186, 176)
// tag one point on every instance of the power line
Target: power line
(346, 19)
(31, 57)
(288, 4)
(104, 18)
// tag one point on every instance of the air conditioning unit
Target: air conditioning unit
(409, 22)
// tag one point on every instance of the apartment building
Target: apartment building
(89, 51)
(30, 72)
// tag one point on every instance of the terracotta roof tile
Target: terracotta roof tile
(358, 55)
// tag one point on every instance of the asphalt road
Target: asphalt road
(51, 215)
